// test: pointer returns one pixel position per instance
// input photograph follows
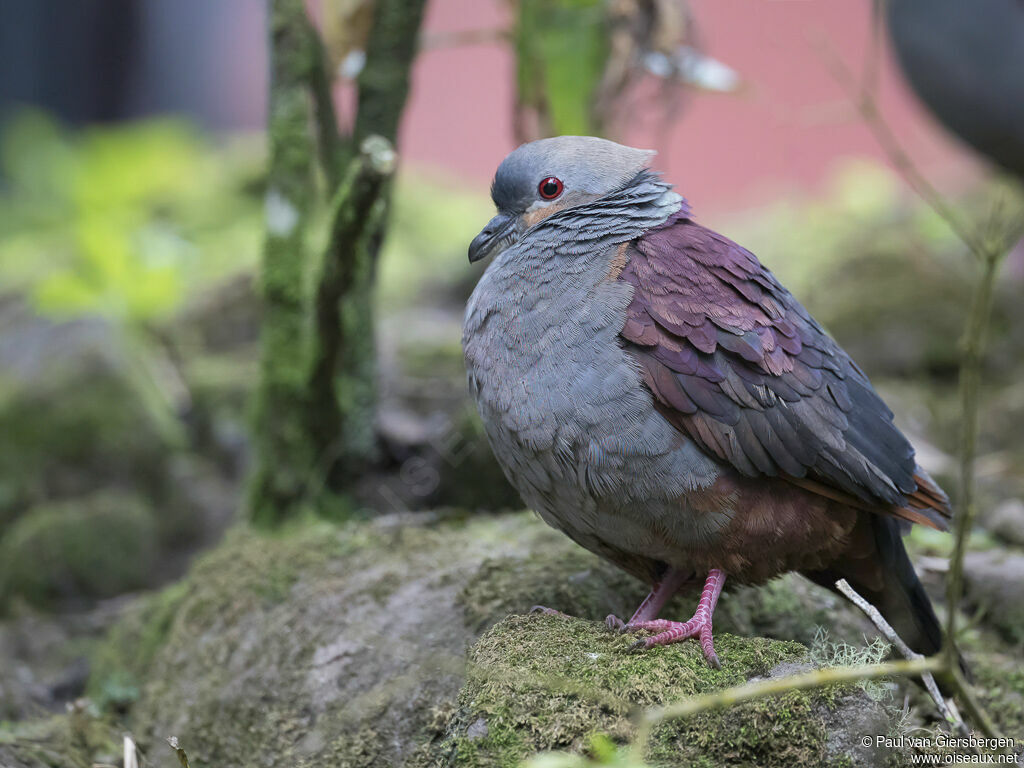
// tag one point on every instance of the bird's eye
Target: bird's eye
(550, 188)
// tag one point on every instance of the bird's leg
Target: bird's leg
(649, 609)
(699, 626)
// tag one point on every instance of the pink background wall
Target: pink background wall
(723, 151)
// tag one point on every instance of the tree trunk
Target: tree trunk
(345, 380)
(284, 453)
(315, 411)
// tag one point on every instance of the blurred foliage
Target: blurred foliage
(561, 50)
(124, 222)
(603, 751)
(76, 429)
(121, 221)
(578, 60)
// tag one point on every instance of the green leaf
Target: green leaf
(562, 50)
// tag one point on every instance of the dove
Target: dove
(654, 392)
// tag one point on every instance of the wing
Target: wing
(737, 364)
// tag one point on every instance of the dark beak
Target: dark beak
(495, 237)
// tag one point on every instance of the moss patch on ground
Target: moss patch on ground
(78, 739)
(542, 682)
(98, 546)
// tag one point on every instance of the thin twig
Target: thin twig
(869, 79)
(970, 382)
(908, 653)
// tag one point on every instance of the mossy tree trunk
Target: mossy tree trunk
(345, 372)
(314, 417)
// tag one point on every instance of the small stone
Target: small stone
(477, 730)
(994, 582)
(1006, 521)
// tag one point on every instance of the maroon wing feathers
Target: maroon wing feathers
(737, 364)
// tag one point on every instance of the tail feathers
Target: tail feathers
(928, 504)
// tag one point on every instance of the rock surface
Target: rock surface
(995, 583)
(347, 647)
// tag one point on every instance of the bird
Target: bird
(654, 392)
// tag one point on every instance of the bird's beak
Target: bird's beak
(499, 233)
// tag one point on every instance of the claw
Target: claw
(613, 622)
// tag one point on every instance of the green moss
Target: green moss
(120, 663)
(549, 682)
(558, 575)
(78, 739)
(247, 571)
(99, 546)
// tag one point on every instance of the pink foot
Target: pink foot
(699, 626)
(653, 603)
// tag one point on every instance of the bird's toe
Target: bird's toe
(614, 622)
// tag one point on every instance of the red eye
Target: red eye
(550, 188)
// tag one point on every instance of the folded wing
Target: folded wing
(737, 364)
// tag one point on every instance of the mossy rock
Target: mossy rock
(95, 547)
(346, 646)
(541, 682)
(324, 646)
(78, 427)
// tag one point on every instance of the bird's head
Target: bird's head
(550, 175)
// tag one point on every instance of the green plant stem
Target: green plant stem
(782, 685)
(970, 382)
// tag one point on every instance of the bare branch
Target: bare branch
(890, 634)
